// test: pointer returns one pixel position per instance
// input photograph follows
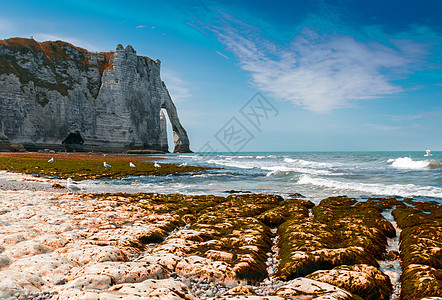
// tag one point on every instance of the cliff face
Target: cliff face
(56, 95)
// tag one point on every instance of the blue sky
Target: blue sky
(343, 75)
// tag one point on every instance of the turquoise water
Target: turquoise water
(316, 175)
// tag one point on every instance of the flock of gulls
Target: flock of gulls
(72, 185)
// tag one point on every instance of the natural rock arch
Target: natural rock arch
(113, 98)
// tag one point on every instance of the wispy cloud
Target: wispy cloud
(140, 26)
(74, 41)
(318, 71)
(394, 129)
(221, 54)
(424, 115)
(384, 127)
(177, 87)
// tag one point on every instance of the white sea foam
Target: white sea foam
(275, 170)
(409, 163)
(307, 163)
(404, 190)
(278, 169)
(234, 164)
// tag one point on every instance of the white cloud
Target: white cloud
(177, 87)
(141, 26)
(319, 72)
(74, 41)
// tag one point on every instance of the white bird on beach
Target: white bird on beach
(106, 165)
(157, 165)
(131, 165)
(183, 164)
(51, 160)
(72, 185)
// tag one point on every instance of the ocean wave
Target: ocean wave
(234, 164)
(281, 168)
(409, 163)
(308, 163)
(276, 170)
(404, 190)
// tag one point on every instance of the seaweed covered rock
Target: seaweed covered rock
(420, 281)
(286, 209)
(355, 225)
(112, 246)
(225, 233)
(420, 250)
(204, 268)
(381, 203)
(362, 280)
(338, 234)
(227, 241)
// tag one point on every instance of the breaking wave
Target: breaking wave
(229, 162)
(404, 190)
(410, 164)
(308, 163)
(284, 169)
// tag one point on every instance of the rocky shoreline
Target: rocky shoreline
(60, 245)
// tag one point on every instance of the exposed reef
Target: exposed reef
(420, 249)
(145, 245)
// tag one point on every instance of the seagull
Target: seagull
(131, 165)
(157, 165)
(106, 165)
(183, 164)
(51, 160)
(72, 185)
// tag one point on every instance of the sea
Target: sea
(314, 175)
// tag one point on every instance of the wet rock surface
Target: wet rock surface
(243, 246)
(337, 234)
(362, 280)
(420, 249)
(305, 288)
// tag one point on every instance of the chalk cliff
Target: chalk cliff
(56, 95)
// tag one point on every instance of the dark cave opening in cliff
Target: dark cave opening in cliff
(74, 138)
